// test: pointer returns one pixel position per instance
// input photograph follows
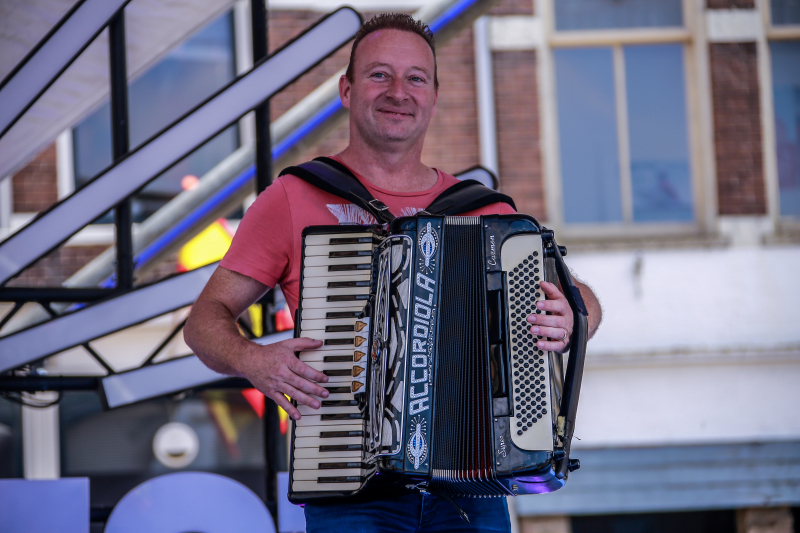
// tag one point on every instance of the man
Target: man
(390, 88)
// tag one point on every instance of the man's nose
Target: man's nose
(397, 89)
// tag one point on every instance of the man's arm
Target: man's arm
(212, 333)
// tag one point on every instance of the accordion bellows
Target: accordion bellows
(435, 379)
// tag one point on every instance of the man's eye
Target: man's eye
(417, 79)
(378, 75)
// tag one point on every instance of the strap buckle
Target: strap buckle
(378, 205)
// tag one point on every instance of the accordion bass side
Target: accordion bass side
(434, 377)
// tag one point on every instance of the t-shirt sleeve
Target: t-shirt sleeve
(262, 246)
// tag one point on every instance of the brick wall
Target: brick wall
(737, 129)
(56, 266)
(512, 7)
(730, 4)
(35, 187)
(517, 113)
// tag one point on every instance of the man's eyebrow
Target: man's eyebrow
(375, 64)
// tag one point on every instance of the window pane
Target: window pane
(587, 135)
(786, 90)
(599, 14)
(659, 147)
(178, 82)
(10, 439)
(785, 12)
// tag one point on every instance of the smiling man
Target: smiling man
(391, 89)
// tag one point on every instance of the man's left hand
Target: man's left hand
(555, 328)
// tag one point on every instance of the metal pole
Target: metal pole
(263, 160)
(120, 145)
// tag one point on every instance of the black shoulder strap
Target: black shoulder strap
(466, 196)
(333, 177)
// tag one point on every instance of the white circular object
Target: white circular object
(176, 445)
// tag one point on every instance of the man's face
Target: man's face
(392, 98)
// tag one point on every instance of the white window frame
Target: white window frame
(699, 122)
(772, 33)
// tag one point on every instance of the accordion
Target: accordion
(435, 380)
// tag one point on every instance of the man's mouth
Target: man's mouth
(396, 113)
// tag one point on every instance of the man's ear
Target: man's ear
(435, 99)
(344, 91)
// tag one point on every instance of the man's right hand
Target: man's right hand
(276, 371)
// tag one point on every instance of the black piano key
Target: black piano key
(350, 253)
(339, 342)
(341, 479)
(353, 240)
(338, 372)
(336, 466)
(347, 284)
(337, 359)
(342, 314)
(336, 329)
(342, 416)
(346, 297)
(339, 403)
(340, 447)
(338, 390)
(344, 268)
(340, 434)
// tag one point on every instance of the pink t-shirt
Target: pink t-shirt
(267, 245)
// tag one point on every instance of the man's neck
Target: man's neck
(399, 172)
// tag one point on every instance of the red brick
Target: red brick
(518, 141)
(737, 128)
(35, 187)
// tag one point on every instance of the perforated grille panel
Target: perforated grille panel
(531, 426)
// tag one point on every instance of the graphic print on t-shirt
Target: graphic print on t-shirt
(352, 214)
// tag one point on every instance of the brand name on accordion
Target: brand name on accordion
(421, 344)
(492, 251)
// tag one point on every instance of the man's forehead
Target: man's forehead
(394, 38)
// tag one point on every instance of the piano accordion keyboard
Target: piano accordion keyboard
(327, 442)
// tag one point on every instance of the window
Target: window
(178, 82)
(10, 439)
(623, 135)
(785, 12)
(606, 14)
(786, 96)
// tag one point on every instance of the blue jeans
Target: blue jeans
(413, 513)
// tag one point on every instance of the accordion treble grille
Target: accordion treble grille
(461, 458)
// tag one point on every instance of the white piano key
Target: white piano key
(338, 409)
(316, 442)
(323, 314)
(325, 249)
(313, 486)
(324, 292)
(322, 335)
(322, 303)
(312, 475)
(338, 397)
(322, 323)
(324, 280)
(314, 464)
(312, 431)
(323, 272)
(315, 261)
(313, 453)
(316, 420)
(325, 239)
(319, 355)
(322, 366)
